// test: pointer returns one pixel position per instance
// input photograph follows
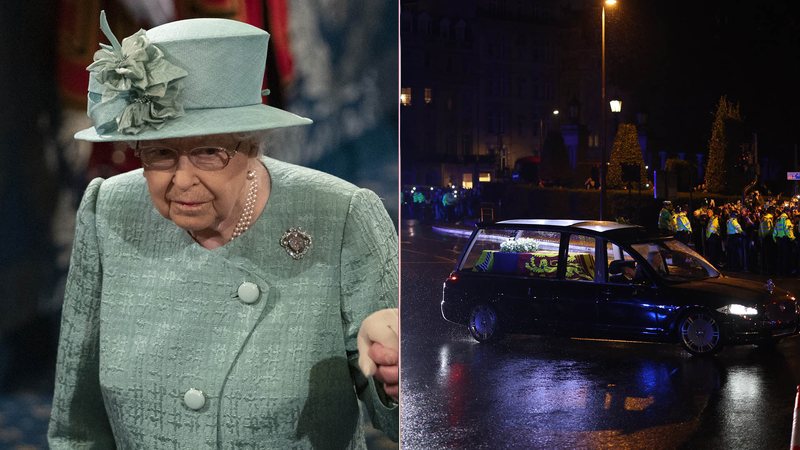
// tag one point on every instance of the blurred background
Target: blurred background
(335, 61)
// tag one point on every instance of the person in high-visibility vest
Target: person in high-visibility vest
(734, 242)
(449, 200)
(767, 254)
(665, 218)
(783, 227)
(713, 240)
(683, 227)
(783, 236)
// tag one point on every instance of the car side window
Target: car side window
(520, 252)
(541, 260)
(622, 268)
(486, 242)
(653, 254)
(580, 258)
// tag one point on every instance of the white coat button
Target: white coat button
(194, 399)
(248, 292)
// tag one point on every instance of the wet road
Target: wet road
(555, 392)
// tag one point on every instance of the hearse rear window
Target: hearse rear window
(510, 251)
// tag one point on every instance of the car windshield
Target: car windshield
(674, 261)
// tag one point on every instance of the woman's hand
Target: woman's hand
(388, 371)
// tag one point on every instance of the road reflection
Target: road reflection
(615, 390)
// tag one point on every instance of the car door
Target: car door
(628, 306)
(539, 264)
(574, 303)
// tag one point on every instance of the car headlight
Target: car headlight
(738, 310)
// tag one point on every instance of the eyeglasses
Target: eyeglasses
(158, 157)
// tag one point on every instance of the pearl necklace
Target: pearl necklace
(249, 206)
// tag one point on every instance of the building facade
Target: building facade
(480, 83)
(485, 82)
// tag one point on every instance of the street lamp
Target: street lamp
(604, 157)
(616, 107)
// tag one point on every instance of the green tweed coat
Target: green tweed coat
(150, 315)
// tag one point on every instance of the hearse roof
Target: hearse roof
(604, 227)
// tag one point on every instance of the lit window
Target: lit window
(405, 96)
(485, 177)
(466, 181)
(428, 95)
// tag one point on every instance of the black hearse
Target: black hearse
(597, 278)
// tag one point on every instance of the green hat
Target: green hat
(186, 78)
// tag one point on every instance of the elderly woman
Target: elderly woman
(215, 296)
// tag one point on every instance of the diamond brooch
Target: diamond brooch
(296, 242)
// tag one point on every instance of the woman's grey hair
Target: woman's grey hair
(256, 140)
(254, 143)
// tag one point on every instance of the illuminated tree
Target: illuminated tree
(626, 150)
(721, 156)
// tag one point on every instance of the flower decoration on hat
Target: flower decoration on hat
(133, 86)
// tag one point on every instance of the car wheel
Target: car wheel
(700, 333)
(483, 324)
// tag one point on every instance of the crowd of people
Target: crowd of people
(756, 235)
(440, 204)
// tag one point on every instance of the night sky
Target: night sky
(680, 57)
